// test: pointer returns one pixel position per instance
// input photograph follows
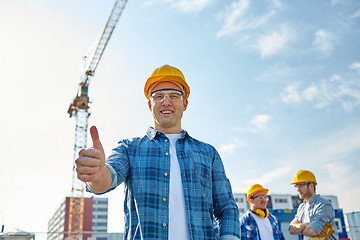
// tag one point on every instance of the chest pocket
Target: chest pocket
(201, 170)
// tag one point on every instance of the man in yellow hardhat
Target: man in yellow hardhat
(175, 185)
(315, 216)
(258, 223)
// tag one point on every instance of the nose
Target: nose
(166, 101)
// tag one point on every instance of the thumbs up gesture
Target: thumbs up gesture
(91, 161)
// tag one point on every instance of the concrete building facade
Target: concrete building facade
(353, 220)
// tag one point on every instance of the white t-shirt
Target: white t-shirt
(264, 226)
(305, 217)
(177, 214)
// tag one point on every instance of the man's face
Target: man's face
(258, 200)
(303, 190)
(167, 114)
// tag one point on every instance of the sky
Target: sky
(275, 88)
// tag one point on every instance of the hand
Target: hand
(91, 161)
(322, 234)
(296, 221)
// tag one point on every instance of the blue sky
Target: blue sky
(275, 87)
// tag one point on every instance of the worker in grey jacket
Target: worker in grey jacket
(315, 216)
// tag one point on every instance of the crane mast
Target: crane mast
(80, 109)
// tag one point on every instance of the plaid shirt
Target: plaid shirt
(250, 230)
(320, 212)
(143, 164)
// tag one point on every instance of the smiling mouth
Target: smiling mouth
(166, 112)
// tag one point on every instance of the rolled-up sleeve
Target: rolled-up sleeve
(118, 165)
(323, 215)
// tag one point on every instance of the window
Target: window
(100, 209)
(100, 224)
(280, 200)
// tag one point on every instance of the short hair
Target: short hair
(308, 183)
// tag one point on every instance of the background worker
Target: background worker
(315, 212)
(257, 223)
(175, 185)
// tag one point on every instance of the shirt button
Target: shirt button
(165, 174)
(166, 140)
(164, 199)
(166, 153)
(164, 224)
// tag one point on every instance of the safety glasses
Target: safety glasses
(173, 95)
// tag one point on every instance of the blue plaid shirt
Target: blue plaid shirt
(143, 164)
(320, 212)
(250, 230)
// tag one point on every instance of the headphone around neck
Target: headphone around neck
(261, 213)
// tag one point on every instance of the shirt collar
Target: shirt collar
(151, 133)
(314, 199)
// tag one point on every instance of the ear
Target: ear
(185, 103)
(149, 104)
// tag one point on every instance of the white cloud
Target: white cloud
(338, 172)
(323, 152)
(152, 2)
(254, 29)
(191, 5)
(356, 14)
(334, 2)
(355, 66)
(236, 20)
(326, 92)
(230, 148)
(324, 41)
(260, 124)
(275, 41)
(231, 17)
(279, 72)
(311, 92)
(261, 121)
(290, 94)
(336, 89)
(269, 177)
(276, 3)
(183, 5)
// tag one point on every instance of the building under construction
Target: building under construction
(94, 225)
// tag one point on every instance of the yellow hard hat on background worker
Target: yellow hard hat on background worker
(255, 188)
(166, 73)
(303, 176)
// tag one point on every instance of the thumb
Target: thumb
(95, 138)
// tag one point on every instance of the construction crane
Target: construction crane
(79, 109)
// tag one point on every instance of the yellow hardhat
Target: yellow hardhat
(255, 188)
(303, 176)
(166, 73)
